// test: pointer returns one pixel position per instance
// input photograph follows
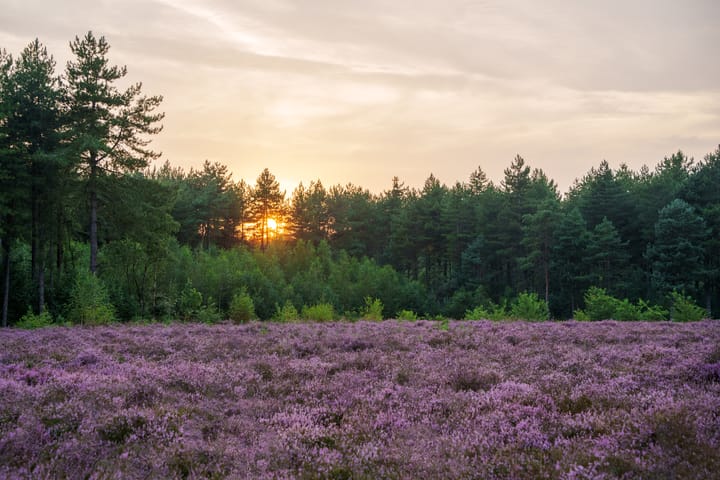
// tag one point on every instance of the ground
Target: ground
(391, 399)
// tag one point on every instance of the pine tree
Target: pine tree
(310, 214)
(609, 257)
(109, 128)
(539, 239)
(33, 128)
(702, 192)
(677, 255)
(8, 182)
(570, 262)
(267, 203)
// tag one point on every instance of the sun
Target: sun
(272, 224)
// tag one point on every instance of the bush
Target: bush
(190, 302)
(89, 302)
(208, 313)
(407, 315)
(527, 306)
(624, 310)
(684, 309)
(242, 308)
(599, 305)
(581, 316)
(491, 312)
(31, 321)
(373, 309)
(651, 312)
(477, 313)
(321, 312)
(288, 313)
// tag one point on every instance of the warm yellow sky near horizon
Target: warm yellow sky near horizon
(361, 91)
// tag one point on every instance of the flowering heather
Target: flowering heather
(362, 400)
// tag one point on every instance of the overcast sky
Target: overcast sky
(363, 90)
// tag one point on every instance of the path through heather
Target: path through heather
(362, 400)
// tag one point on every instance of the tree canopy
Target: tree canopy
(79, 192)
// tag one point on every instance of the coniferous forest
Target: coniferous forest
(94, 227)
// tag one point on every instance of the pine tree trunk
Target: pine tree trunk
(40, 265)
(6, 288)
(41, 288)
(93, 216)
(708, 303)
(546, 265)
(34, 246)
(59, 247)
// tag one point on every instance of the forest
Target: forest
(94, 227)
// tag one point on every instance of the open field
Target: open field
(362, 400)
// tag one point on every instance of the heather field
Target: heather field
(362, 400)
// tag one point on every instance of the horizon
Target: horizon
(361, 93)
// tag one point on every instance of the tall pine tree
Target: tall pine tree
(109, 128)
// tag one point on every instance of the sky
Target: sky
(363, 90)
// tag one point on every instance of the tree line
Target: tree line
(87, 223)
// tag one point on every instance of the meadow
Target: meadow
(364, 400)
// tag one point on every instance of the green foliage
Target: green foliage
(287, 313)
(107, 129)
(477, 313)
(407, 315)
(581, 316)
(373, 309)
(599, 305)
(75, 151)
(609, 256)
(463, 300)
(190, 302)
(684, 309)
(242, 308)
(625, 310)
(527, 306)
(677, 255)
(321, 312)
(89, 302)
(31, 320)
(209, 313)
(651, 312)
(493, 311)
(443, 324)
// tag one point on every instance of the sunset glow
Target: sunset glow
(358, 92)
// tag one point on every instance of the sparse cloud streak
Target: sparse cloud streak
(356, 91)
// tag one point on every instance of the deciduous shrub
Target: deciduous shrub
(242, 308)
(491, 312)
(30, 320)
(527, 306)
(684, 309)
(477, 313)
(651, 312)
(208, 313)
(321, 312)
(373, 309)
(190, 302)
(407, 315)
(598, 305)
(89, 302)
(288, 313)
(624, 310)
(601, 306)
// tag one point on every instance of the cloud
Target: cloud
(351, 90)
